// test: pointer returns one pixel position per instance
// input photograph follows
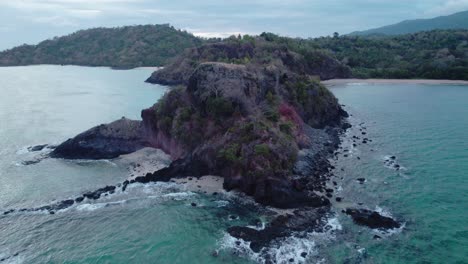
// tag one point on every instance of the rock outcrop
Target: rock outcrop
(280, 227)
(245, 120)
(247, 123)
(372, 219)
(104, 141)
(256, 50)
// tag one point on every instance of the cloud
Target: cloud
(449, 7)
(34, 20)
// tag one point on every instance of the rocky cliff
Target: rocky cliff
(247, 124)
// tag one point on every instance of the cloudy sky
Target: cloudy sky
(30, 21)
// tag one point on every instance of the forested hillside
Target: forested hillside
(124, 47)
(455, 21)
(439, 54)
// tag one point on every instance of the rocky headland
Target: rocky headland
(253, 113)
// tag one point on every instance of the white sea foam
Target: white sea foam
(283, 250)
(382, 211)
(179, 196)
(222, 203)
(258, 227)
(90, 206)
(22, 150)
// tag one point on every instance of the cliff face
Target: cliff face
(250, 51)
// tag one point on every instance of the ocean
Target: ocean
(423, 126)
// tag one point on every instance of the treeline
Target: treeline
(438, 54)
(123, 47)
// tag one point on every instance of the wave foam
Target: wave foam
(298, 247)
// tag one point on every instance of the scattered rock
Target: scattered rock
(37, 148)
(97, 194)
(361, 180)
(282, 226)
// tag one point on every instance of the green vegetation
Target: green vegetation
(439, 54)
(123, 47)
(262, 149)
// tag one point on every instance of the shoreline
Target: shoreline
(334, 82)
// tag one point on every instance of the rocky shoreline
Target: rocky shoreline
(268, 128)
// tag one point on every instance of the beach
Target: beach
(334, 82)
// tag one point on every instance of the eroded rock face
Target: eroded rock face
(104, 141)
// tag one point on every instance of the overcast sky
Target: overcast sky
(30, 21)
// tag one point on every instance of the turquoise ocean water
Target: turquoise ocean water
(423, 126)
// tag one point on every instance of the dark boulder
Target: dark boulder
(372, 219)
(281, 226)
(104, 141)
(37, 148)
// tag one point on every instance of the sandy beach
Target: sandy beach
(149, 160)
(206, 184)
(143, 161)
(334, 82)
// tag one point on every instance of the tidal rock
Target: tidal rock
(104, 141)
(361, 180)
(281, 226)
(97, 194)
(372, 219)
(37, 148)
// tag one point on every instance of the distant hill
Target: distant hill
(122, 47)
(455, 21)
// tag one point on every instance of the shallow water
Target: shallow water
(423, 126)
